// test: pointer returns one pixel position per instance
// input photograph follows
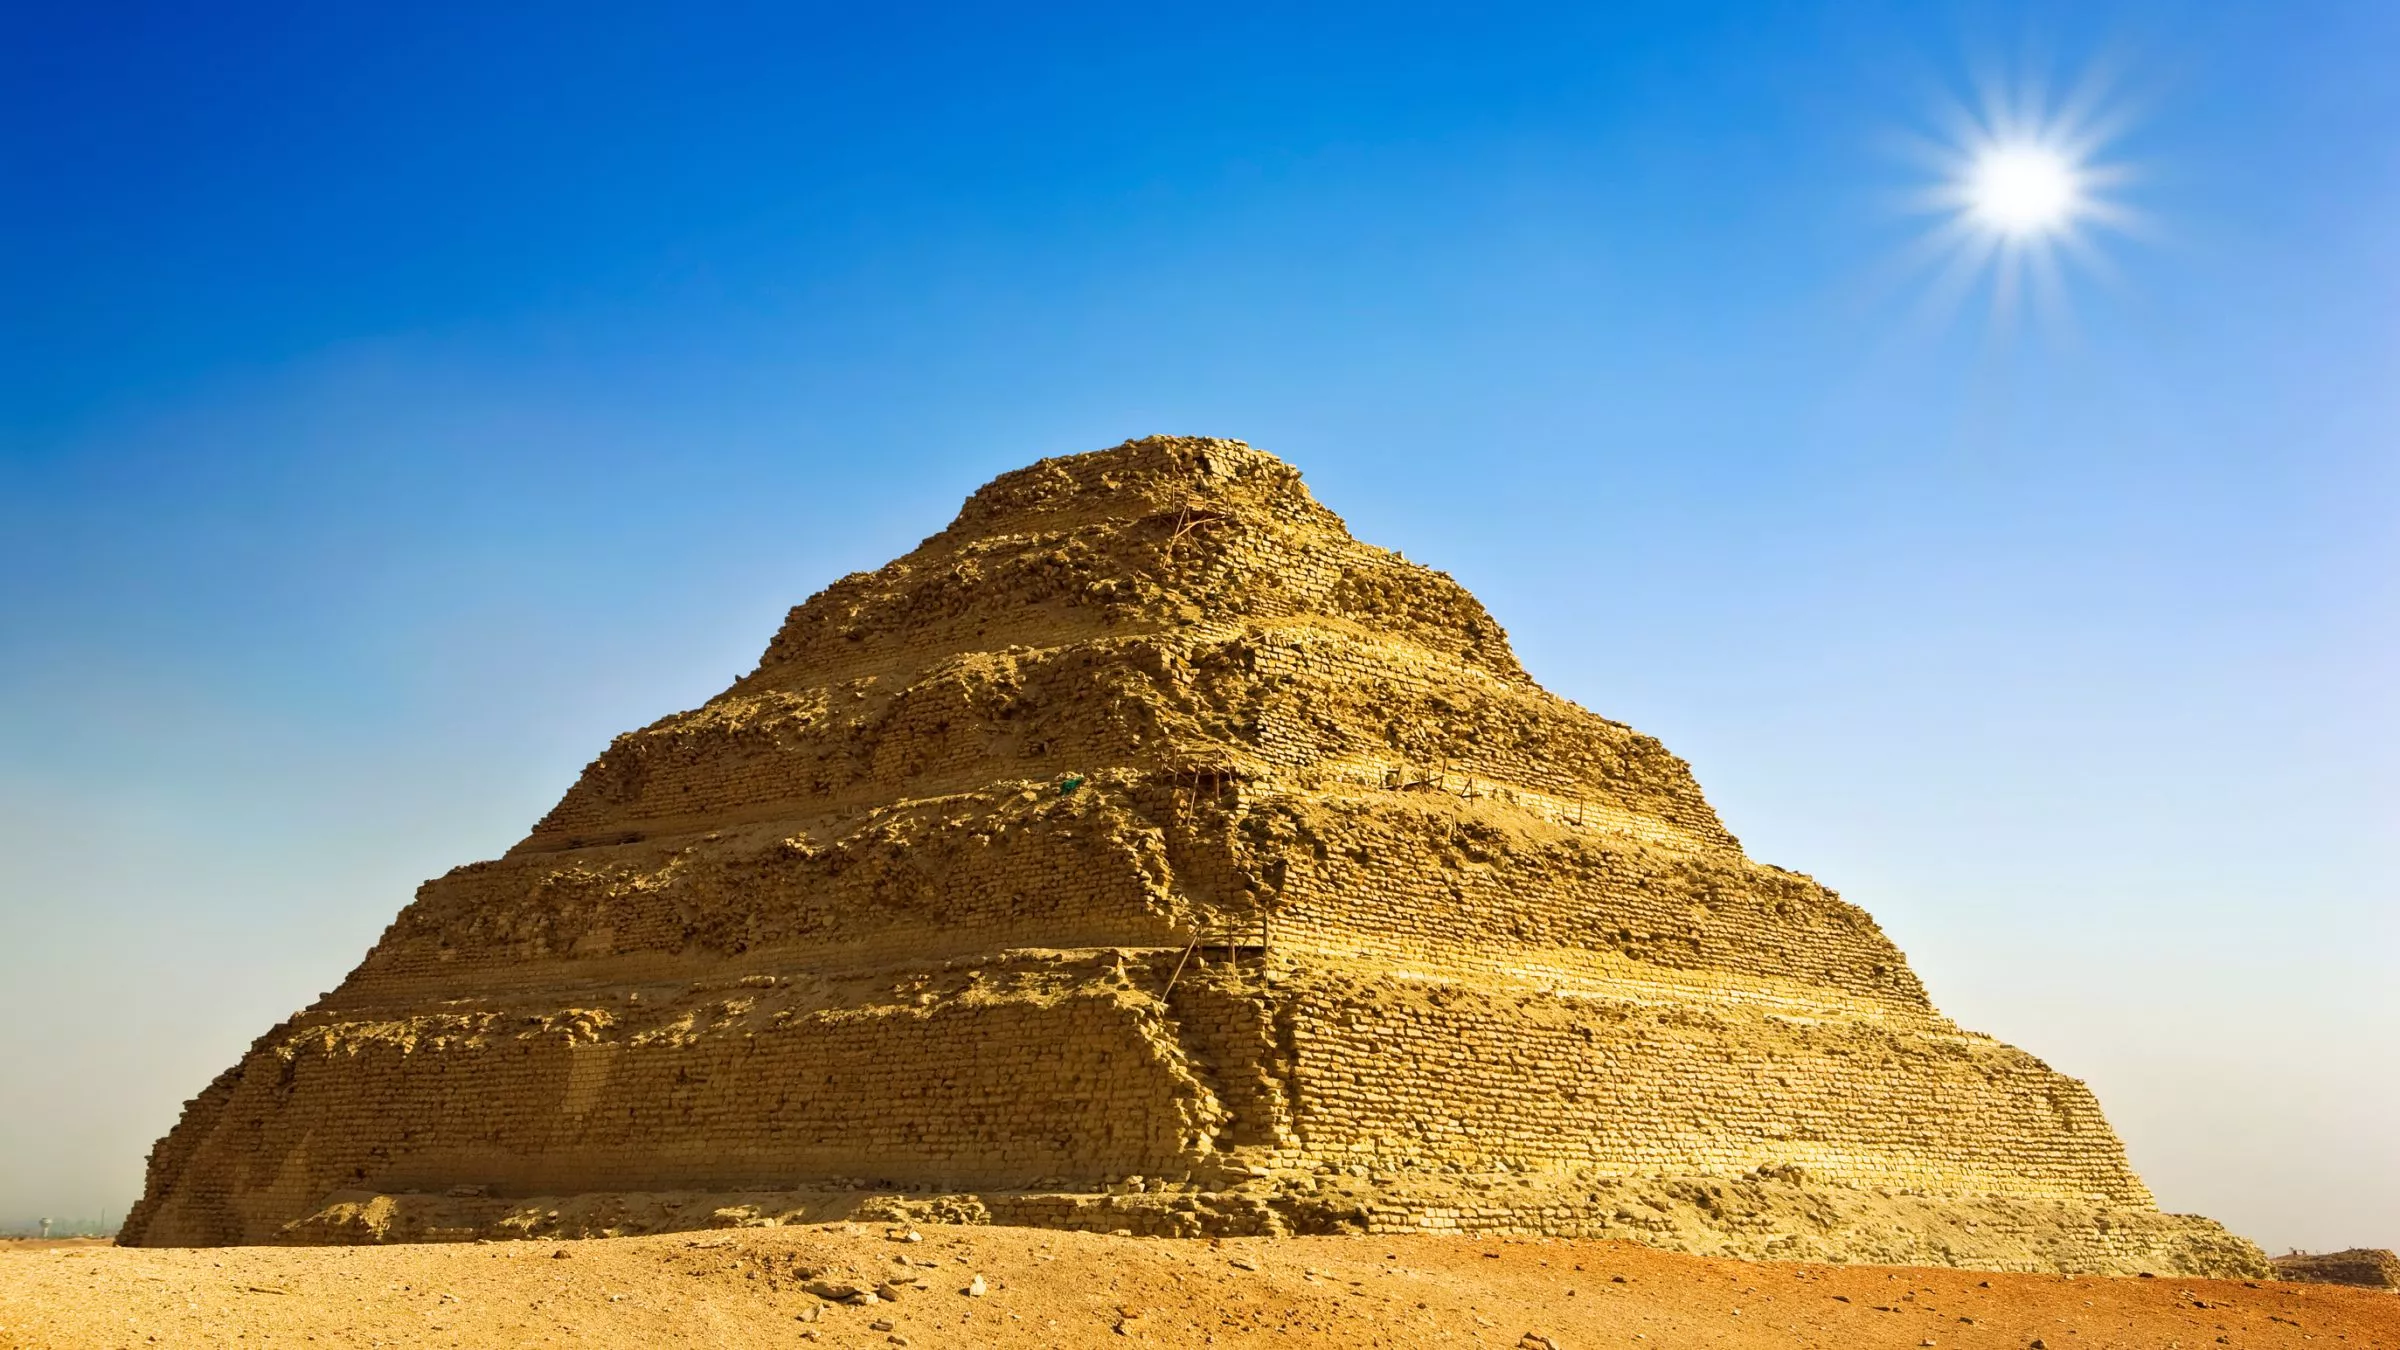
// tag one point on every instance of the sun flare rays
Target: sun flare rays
(2022, 192)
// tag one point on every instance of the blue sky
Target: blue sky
(393, 407)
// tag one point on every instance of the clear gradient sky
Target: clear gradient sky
(396, 402)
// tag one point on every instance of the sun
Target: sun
(2022, 190)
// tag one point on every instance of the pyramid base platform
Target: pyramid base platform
(1780, 1217)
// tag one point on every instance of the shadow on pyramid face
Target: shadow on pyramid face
(1144, 852)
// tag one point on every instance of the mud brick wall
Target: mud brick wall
(964, 1093)
(1291, 702)
(1405, 876)
(986, 872)
(1476, 1079)
(1236, 1038)
(1157, 534)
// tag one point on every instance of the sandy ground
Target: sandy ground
(746, 1288)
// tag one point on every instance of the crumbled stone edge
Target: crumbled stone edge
(2360, 1267)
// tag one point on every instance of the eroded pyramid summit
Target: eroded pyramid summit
(1144, 852)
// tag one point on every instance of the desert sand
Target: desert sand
(747, 1287)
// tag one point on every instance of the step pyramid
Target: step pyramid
(1143, 852)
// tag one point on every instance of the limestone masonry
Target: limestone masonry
(1143, 852)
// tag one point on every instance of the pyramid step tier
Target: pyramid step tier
(1138, 861)
(1078, 1067)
